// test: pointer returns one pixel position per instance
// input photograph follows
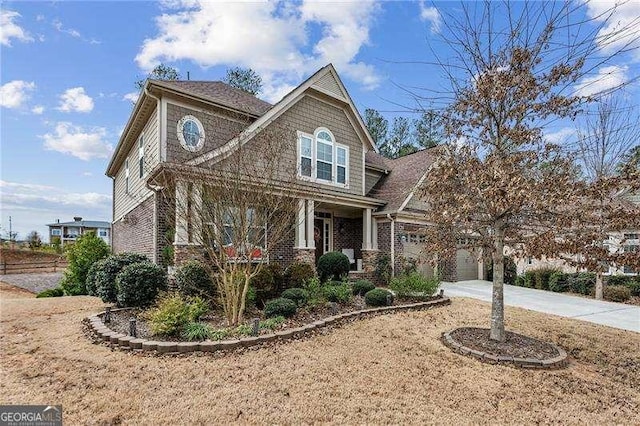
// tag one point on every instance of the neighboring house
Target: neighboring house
(68, 232)
(355, 200)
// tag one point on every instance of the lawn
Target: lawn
(386, 369)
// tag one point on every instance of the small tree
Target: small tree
(244, 79)
(377, 125)
(428, 129)
(34, 240)
(160, 72)
(87, 250)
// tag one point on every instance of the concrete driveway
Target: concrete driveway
(618, 315)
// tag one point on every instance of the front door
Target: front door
(322, 234)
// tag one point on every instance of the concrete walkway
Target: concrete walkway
(618, 315)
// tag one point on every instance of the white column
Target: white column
(311, 208)
(182, 219)
(374, 234)
(301, 241)
(196, 214)
(366, 229)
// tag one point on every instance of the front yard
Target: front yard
(385, 369)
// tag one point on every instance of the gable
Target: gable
(329, 85)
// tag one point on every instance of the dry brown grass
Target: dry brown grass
(386, 369)
(8, 291)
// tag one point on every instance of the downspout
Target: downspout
(393, 244)
(155, 192)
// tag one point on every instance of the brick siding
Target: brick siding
(134, 233)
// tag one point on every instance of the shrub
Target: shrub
(267, 282)
(616, 293)
(333, 265)
(298, 295)
(338, 293)
(90, 284)
(105, 281)
(383, 268)
(582, 282)
(173, 312)
(414, 285)
(619, 280)
(271, 323)
(360, 287)
(138, 284)
(510, 270)
(297, 274)
(378, 297)
(196, 331)
(52, 292)
(542, 276)
(634, 286)
(558, 282)
(528, 279)
(315, 291)
(87, 250)
(280, 307)
(192, 279)
(519, 281)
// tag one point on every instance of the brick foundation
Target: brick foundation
(184, 253)
(305, 255)
(134, 232)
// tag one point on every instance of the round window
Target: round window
(190, 133)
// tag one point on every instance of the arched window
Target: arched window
(321, 159)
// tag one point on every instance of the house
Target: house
(67, 232)
(355, 200)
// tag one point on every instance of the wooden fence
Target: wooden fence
(31, 267)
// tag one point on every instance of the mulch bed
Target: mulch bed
(515, 345)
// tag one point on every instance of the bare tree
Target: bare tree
(233, 212)
(501, 183)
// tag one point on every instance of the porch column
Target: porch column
(182, 219)
(366, 229)
(301, 241)
(311, 242)
(374, 234)
(195, 215)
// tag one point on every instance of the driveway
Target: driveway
(616, 315)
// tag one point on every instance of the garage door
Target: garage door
(466, 266)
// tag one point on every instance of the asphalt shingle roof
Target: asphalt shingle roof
(220, 93)
(84, 223)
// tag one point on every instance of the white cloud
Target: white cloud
(621, 24)
(431, 15)
(38, 109)
(607, 78)
(74, 140)
(561, 136)
(88, 174)
(72, 32)
(132, 97)
(15, 93)
(40, 18)
(75, 99)
(211, 33)
(10, 30)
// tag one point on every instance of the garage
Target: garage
(466, 265)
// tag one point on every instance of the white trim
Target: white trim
(314, 158)
(142, 172)
(311, 243)
(301, 135)
(162, 129)
(179, 132)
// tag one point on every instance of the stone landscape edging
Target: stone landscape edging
(107, 335)
(559, 361)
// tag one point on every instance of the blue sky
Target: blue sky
(68, 71)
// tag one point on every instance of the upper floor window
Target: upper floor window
(141, 156)
(321, 158)
(190, 133)
(55, 232)
(102, 232)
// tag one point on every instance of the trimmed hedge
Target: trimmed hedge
(360, 287)
(105, 281)
(192, 279)
(378, 297)
(299, 295)
(297, 274)
(52, 292)
(414, 285)
(280, 307)
(616, 293)
(333, 265)
(92, 275)
(138, 284)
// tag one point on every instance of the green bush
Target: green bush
(558, 282)
(272, 323)
(519, 281)
(196, 331)
(193, 279)
(298, 295)
(510, 270)
(173, 312)
(542, 276)
(106, 273)
(616, 293)
(90, 284)
(383, 268)
(297, 274)
(378, 297)
(529, 279)
(333, 265)
(267, 282)
(138, 284)
(414, 285)
(52, 292)
(87, 250)
(338, 293)
(619, 280)
(634, 286)
(315, 291)
(360, 287)
(582, 282)
(280, 307)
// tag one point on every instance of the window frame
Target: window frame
(56, 232)
(335, 146)
(180, 134)
(101, 230)
(222, 228)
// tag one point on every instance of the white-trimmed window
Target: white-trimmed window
(102, 232)
(141, 156)
(321, 159)
(56, 232)
(190, 133)
(255, 234)
(126, 175)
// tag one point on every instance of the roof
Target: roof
(220, 93)
(403, 178)
(376, 160)
(84, 223)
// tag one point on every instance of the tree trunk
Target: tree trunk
(497, 301)
(599, 285)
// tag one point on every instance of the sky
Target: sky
(67, 74)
